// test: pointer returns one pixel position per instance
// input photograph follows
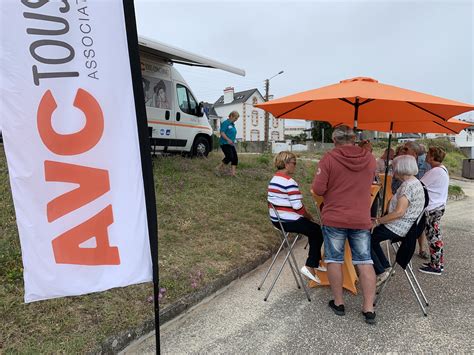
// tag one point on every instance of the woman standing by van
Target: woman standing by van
(227, 143)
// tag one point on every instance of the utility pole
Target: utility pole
(267, 115)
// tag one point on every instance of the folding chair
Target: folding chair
(290, 258)
(412, 280)
(411, 238)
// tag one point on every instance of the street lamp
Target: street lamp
(267, 115)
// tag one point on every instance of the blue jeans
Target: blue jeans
(335, 238)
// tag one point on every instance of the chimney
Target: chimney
(228, 95)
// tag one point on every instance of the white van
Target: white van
(176, 122)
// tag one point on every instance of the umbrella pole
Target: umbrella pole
(356, 112)
(386, 168)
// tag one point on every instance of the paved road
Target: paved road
(237, 320)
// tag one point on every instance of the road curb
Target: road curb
(456, 197)
(116, 343)
(460, 178)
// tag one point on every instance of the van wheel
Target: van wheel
(201, 147)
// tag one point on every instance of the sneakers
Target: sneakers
(382, 278)
(424, 255)
(304, 271)
(429, 264)
(322, 268)
(369, 317)
(339, 310)
(430, 270)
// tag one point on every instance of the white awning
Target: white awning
(176, 55)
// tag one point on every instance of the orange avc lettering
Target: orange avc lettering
(75, 143)
(93, 183)
(66, 246)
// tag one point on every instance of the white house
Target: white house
(251, 124)
(465, 141)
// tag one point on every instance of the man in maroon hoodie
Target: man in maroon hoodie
(344, 179)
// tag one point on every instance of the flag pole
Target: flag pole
(147, 171)
(387, 158)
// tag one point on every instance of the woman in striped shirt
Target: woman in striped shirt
(284, 194)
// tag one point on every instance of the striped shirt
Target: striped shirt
(285, 195)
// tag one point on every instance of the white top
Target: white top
(413, 191)
(285, 195)
(437, 183)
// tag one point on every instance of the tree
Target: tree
(299, 139)
(317, 131)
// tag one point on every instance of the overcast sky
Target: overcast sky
(421, 45)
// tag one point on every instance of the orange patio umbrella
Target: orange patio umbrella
(364, 103)
(364, 100)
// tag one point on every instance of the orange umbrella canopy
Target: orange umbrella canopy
(452, 126)
(363, 100)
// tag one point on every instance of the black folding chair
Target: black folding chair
(290, 258)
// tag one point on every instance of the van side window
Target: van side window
(182, 98)
(192, 103)
(186, 102)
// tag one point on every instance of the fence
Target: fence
(244, 147)
(259, 147)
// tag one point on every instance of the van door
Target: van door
(187, 123)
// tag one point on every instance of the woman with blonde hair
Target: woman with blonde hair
(227, 143)
(284, 194)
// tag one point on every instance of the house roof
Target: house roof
(239, 97)
(209, 109)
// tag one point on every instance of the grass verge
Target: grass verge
(455, 191)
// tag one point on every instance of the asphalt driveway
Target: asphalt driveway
(237, 320)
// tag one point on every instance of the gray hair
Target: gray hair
(416, 147)
(405, 165)
(343, 134)
(422, 149)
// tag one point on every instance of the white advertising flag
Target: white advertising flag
(70, 136)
